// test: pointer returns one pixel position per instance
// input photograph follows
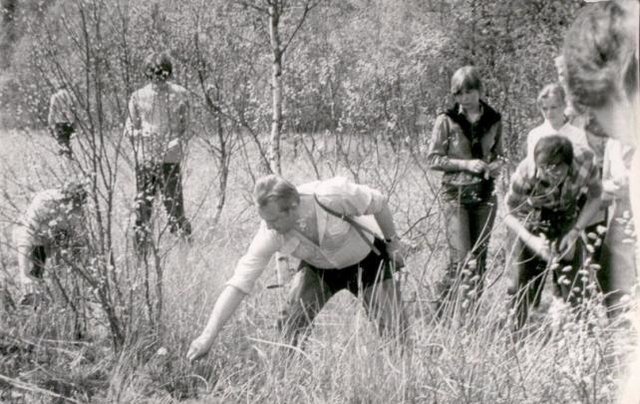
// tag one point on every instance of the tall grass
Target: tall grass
(469, 358)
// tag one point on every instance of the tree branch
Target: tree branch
(310, 5)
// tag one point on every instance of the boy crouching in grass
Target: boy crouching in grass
(49, 224)
(546, 217)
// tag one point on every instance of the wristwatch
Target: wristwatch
(392, 238)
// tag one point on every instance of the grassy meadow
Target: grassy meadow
(470, 358)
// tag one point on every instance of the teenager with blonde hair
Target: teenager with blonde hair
(466, 146)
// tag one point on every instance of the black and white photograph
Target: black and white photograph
(319, 201)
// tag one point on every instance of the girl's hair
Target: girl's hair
(158, 66)
(600, 51)
(551, 90)
(465, 79)
(553, 150)
(275, 188)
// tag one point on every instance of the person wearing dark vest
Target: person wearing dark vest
(466, 145)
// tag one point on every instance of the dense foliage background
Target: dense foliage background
(374, 67)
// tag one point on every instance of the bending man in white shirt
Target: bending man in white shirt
(336, 253)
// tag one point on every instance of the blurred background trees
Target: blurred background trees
(376, 67)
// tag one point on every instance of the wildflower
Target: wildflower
(625, 299)
(566, 269)
(601, 229)
(472, 264)
(583, 272)
(590, 248)
(592, 235)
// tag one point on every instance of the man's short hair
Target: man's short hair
(601, 52)
(466, 78)
(553, 150)
(551, 90)
(275, 188)
(158, 65)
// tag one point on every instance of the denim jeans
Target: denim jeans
(311, 289)
(468, 230)
(166, 179)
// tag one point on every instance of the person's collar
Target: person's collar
(488, 115)
(461, 110)
(564, 124)
(159, 85)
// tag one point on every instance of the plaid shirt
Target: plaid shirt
(528, 193)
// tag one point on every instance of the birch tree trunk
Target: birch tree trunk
(276, 83)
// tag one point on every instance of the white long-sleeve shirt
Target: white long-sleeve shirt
(340, 245)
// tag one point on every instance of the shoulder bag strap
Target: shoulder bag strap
(357, 226)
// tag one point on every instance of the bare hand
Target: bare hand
(493, 169)
(199, 347)
(540, 245)
(394, 249)
(568, 242)
(476, 166)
